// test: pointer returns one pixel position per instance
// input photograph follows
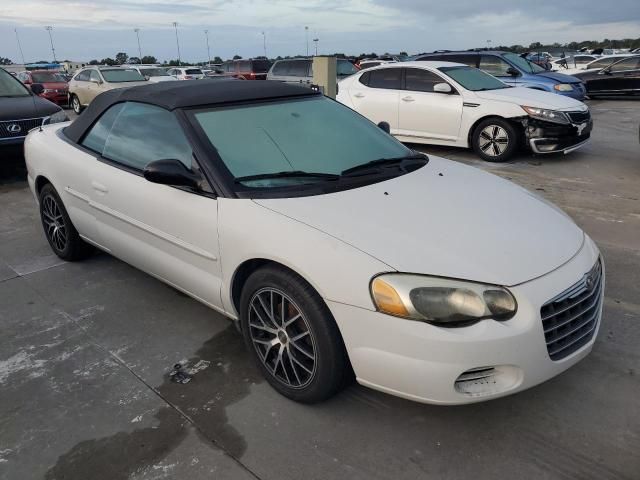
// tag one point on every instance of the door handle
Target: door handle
(98, 187)
(358, 95)
(408, 98)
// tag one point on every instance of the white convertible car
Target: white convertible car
(444, 103)
(336, 248)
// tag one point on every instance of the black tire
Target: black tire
(75, 104)
(495, 140)
(330, 369)
(60, 232)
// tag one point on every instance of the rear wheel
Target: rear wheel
(76, 105)
(292, 336)
(60, 232)
(495, 140)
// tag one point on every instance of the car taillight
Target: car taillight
(188, 77)
(252, 76)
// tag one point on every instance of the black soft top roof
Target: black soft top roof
(185, 94)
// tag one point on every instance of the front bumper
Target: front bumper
(61, 99)
(546, 137)
(421, 362)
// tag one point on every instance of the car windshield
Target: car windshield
(473, 79)
(523, 63)
(154, 72)
(345, 68)
(294, 142)
(46, 77)
(10, 87)
(121, 75)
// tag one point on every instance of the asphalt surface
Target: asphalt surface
(86, 349)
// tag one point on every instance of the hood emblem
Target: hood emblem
(590, 282)
(14, 128)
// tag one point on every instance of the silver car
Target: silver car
(300, 71)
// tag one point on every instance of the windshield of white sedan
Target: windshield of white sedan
(117, 76)
(297, 142)
(473, 79)
(10, 87)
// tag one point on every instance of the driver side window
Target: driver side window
(628, 64)
(134, 134)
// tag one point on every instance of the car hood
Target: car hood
(445, 219)
(558, 77)
(19, 108)
(532, 98)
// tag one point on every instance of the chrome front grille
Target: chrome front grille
(571, 319)
(18, 128)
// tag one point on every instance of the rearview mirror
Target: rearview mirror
(513, 72)
(171, 172)
(384, 126)
(442, 88)
(37, 88)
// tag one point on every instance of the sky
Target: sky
(95, 29)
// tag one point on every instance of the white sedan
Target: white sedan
(337, 249)
(445, 103)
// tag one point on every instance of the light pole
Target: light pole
(19, 46)
(264, 44)
(137, 30)
(175, 25)
(206, 34)
(306, 34)
(489, 44)
(316, 40)
(48, 28)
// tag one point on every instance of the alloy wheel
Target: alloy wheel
(281, 336)
(76, 104)
(494, 140)
(55, 226)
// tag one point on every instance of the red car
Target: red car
(56, 88)
(252, 69)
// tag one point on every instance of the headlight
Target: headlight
(57, 117)
(547, 115)
(563, 87)
(441, 301)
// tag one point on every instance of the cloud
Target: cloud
(579, 12)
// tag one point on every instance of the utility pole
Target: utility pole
(264, 44)
(19, 46)
(206, 34)
(306, 34)
(48, 28)
(137, 30)
(175, 25)
(315, 40)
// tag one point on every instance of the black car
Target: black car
(620, 78)
(21, 110)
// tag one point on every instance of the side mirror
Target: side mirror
(442, 88)
(606, 71)
(37, 88)
(171, 172)
(513, 72)
(384, 126)
(147, 77)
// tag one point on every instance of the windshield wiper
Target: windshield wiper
(288, 174)
(381, 162)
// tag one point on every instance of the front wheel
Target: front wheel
(76, 105)
(292, 336)
(495, 140)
